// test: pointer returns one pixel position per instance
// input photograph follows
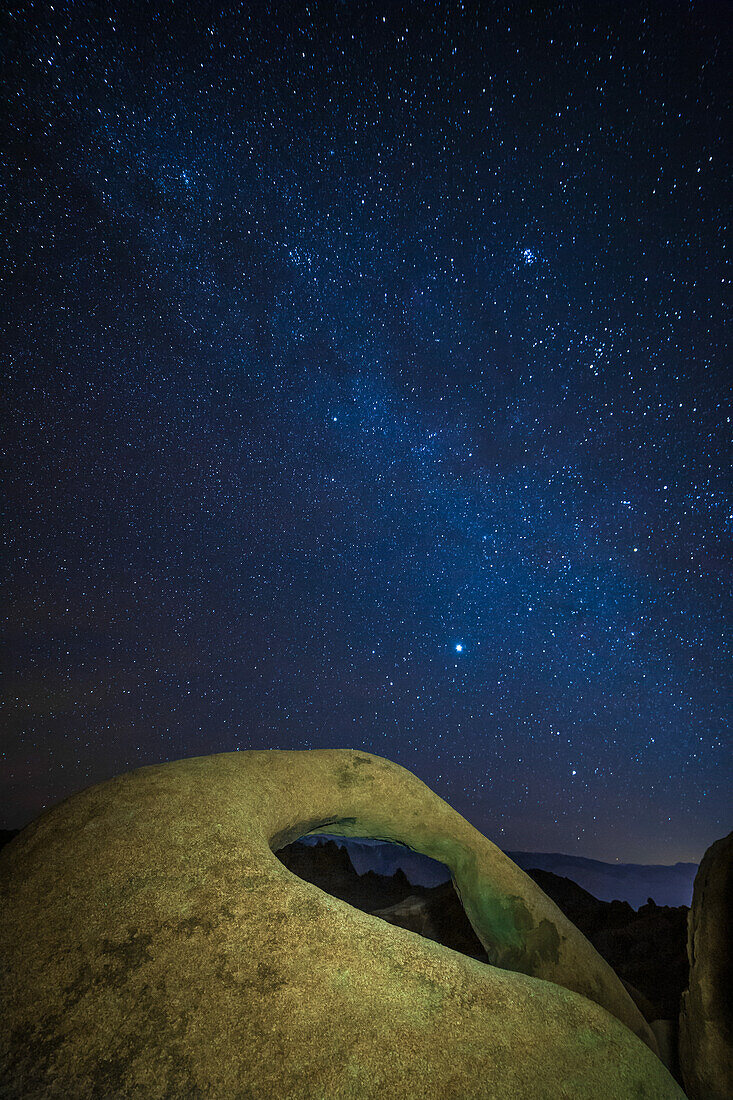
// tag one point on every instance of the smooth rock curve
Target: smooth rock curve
(153, 946)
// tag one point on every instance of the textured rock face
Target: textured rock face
(153, 946)
(706, 1016)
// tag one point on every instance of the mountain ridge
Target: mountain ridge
(635, 883)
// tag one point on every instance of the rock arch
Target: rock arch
(156, 947)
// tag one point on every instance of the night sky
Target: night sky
(364, 387)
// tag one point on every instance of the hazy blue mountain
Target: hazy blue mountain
(631, 882)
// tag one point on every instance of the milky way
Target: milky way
(364, 386)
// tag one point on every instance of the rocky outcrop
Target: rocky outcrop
(329, 867)
(153, 946)
(646, 947)
(437, 913)
(434, 912)
(706, 1017)
(413, 913)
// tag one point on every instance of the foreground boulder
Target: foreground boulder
(706, 1016)
(153, 946)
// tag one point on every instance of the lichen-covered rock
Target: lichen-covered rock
(706, 1015)
(153, 946)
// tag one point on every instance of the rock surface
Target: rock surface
(433, 911)
(153, 946)
(706, 1016)
(650, 944)
(412, 913)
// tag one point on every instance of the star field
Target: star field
(365, 387)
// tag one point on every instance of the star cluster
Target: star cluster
(364, 381)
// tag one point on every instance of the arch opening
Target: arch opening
(388, 880)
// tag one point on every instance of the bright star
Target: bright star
(459, 647)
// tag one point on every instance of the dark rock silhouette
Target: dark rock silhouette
(631, 882)
(706, 1016)
(329, 866)
(646, 948)
(6, 835)
(439, 916)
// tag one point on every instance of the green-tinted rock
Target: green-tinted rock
(153, 946)
(706, 1013)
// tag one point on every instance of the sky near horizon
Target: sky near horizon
(364, 386)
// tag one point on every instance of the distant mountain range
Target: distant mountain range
(631, 882)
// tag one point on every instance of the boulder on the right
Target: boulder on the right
(706, 1014)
